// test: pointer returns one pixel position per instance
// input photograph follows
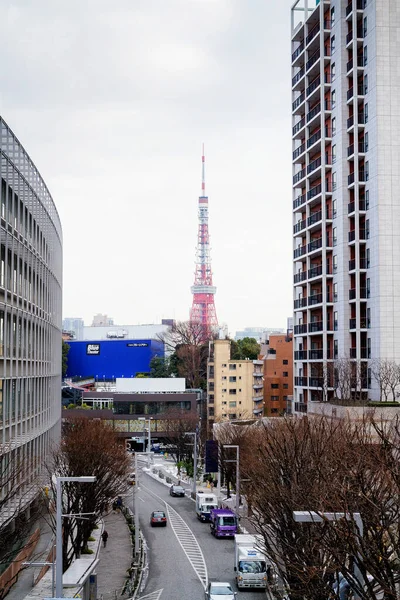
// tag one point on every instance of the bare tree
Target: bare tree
(387, 374)
(177, 424)
(88, 447)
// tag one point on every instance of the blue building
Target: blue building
(109, 359)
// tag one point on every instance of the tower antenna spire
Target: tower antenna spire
(203, 174)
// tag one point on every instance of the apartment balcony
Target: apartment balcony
(316, 354)
(361, 178)
(314, 245)
(364, 293)
(314, 165)
(299, 277)
(300, 355)
(299, 50)
(313, 87)
(300, 329)
(362, 235)
(317, 382)
(363, 353)
(313, 139)
(296, 130)
(364, 323)
(312, 34)
(258, 411)
(296, 104)
(360, 121)
(315, 327)
(298, 177)
(258, 386)
(315, 191)
(349, 8)
(301, 381)
(301, 251)
(297, 79)
(299, 151)
(300, 303)
(314, 299)
(312, 60)
(315, 272)
(362, 149)
(314, 112)
(362, 206)
(361, 91)
(353, 265)
(299, 201)
(314, 218)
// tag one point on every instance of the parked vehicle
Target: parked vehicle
(132, 478)
(250, 563)
(223, 522)
(205, 502)
(176, 490)
(220, 590)
(158, 518)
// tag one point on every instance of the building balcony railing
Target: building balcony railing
(298, 126)
(315, 217)
(362, 206)
(362, 235)
(296, 103)
(315, 354)
(298, 51)
(316, 382)
(314, 31)
(313, 112)
(315, 245)
(299, 277)
(300, 355)
(315, 271)
(299, 176)
(299, 201)
(301, 251)
(311, 61)
(314, 299)
(299, 151)
(360, 6)
(315, 326)
(315, 191)
(313, 139)
(299, 329)
(353, 265)
(299, 226)
(302, 381)
(364, 293)
(364, 323)
(315, 164)
(300, 303)
(313, 85)
(363, 353)
(298, 76)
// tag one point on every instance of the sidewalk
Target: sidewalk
(115, 559)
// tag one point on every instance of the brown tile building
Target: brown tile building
(278, 374)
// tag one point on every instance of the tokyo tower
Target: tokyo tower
(203, 307)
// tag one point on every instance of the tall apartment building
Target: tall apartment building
(234, 387)
(30, 326)
(346, 173)
(75, 326)
(278, 374)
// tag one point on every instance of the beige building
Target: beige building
(234, 387)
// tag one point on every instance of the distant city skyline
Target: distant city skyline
(116, 130)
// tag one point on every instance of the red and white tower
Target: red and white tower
(203, 307)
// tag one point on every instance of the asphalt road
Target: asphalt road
(171, 575)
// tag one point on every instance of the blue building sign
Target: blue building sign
(109, 359)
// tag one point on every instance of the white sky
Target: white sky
(112, 100)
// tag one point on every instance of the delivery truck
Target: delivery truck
(224, 522)
(205, 502)
(251, 566)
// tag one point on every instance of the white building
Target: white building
(346, 176)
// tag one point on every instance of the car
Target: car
(220, 590)
(158, 518)
(176, 490)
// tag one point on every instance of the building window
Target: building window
(333, 71)
(335, 349)
(275, 386)
(224, 377)
(335, 263)
(232, 404)
(285, 361)
(335, 292)
(232, 379)
(223, 390)
(332, 15)
(274, 398)
(366, 142)
(333, 126)
(232, 416)
(333, 44)
(366, 112)
(285, 386)
(366, 199)
(232, 367)
(335, 321)
(368, 257)
(274, 411)
(224, 365)
(232, 392)
(365, 56)
(365, 84)
(368, 287)
(365, 26)
(285, 398)
(334, 232)
(211, 412)
(367, 229)
(366, 171)
(285, 374)
(333, 154)
(224, 402)
(211, 398)
(334, 181)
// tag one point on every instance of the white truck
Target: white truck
(205, 502)
(251, 566)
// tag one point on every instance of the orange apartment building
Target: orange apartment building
(278, 374)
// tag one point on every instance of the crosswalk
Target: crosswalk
(153, 596)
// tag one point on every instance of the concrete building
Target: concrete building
(234, 387)
(30, 324)
(346, 213)
(278, 374)
(261, 334)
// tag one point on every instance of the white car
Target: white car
(220, 590)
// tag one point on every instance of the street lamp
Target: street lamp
(311, 516)
(149, 436)
(59, 515)
(236, 460)
(194, 433)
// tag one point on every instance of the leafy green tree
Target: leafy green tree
(159, 367)
(64, 360)
(245, 348)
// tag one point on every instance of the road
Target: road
(184, 554)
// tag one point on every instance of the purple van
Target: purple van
(223, 522)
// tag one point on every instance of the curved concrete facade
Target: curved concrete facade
(30, 319)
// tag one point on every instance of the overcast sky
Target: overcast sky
(112, 100)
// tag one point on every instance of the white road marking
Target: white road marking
(153, 596)
(186, 539)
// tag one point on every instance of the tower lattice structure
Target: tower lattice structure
(203, 290)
